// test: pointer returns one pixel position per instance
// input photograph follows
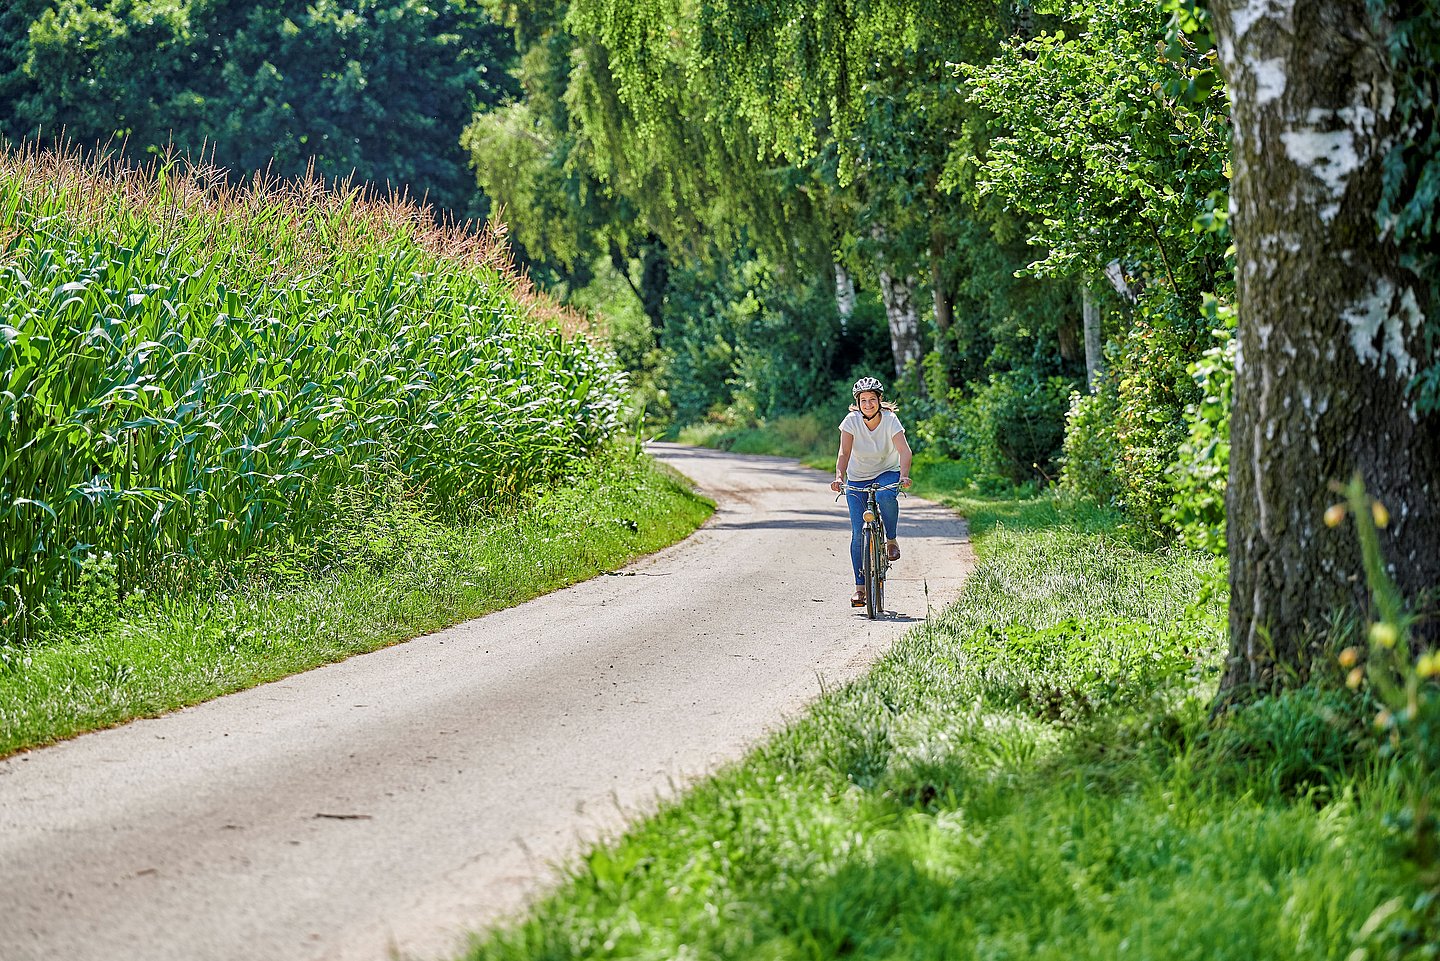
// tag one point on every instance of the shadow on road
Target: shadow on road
(894, 618)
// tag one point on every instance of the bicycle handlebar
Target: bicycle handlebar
(873, 487)
(848, 488)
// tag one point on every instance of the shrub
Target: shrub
(1153, 387)
(949, 430)
(742, 346)
(1020, 422)
(1199, 474)
(1088, 462)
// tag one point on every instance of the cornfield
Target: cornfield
(191, 371)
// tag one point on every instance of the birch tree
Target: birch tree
(1331, 331)
(1094, 338)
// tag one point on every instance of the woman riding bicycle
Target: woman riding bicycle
(873, 450)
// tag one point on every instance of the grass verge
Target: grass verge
(160, 654)
(1033, 774)
(809, 438)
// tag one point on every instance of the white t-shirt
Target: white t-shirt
(873, 452)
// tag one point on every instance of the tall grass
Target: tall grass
(1034, 773)
(192, 372)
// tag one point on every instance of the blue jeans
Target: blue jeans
(889, 502)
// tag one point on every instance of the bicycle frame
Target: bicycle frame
(874, 562)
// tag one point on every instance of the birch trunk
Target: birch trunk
(900, 310)
(1094, 358)
(1329, 334)
(844, 295)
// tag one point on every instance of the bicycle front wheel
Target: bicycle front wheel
(874, 574)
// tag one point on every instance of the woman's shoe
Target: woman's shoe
(859, 599)
(892, 550)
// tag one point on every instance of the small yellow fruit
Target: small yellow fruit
(1334, 514)
(1381, 515)
(1428, 664)
(1384, 634)
(1353, 679)
(1349, 657)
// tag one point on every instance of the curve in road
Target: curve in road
(386, 804)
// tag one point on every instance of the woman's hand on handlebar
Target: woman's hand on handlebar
(905, 482)
(837, 485)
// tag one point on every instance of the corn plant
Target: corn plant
(190, 371)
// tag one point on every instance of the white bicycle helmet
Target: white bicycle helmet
(867, 383)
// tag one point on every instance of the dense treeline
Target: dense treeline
(374, 89)
(1036, 200)
(993, 188)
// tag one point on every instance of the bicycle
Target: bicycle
(874, 562)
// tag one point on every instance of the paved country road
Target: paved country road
(386, 804)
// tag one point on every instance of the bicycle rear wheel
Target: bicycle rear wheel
(874, 574)
(883, 565)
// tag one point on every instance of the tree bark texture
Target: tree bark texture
(1090, 314)
(1329, 335)
(1068, 338)
(844, 295)
(904, 317)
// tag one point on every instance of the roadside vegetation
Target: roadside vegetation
(1033, 773)
(242, 423)
(197, 376)
(404, 574)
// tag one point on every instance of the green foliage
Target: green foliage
(377, 90)
(519, 164)
(1022, 419)
(1153, 388)
(1118, 156)
(609, 298)
(92, 599)
(1104, 150)
(948, 431)
(1201, 472)
(193, 373)
(746, 345)
(799, 74)
(1089, 459)
(1011, 431)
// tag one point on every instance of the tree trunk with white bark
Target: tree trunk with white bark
(1094, 357)
(904, 317)
(1329, 335)
(844, 295)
